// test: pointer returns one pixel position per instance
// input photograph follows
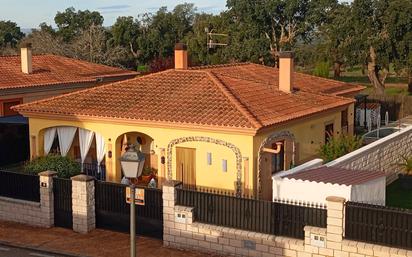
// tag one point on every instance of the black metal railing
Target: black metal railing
(95, 170)
(20, 186)
(378, 225)
(113, 213)
(252, 215)
(219, 191)
(63, 202)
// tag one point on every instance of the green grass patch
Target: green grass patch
(396, 91)
(398, 197)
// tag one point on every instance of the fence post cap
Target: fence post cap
(82, 177)
(48, 173)
(335, 199)
(172, 183)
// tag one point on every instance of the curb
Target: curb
(38, 249)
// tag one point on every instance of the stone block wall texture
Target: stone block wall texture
(382, 155)
(83, 204)
(39, 214)
(181, 231)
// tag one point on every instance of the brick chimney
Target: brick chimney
(26, 58)
(286, 68)
(181, 62)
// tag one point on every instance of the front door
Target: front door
(186, 165)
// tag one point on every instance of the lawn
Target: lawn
(398, 197)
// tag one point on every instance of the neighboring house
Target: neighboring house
(229, 126)
(28, 77)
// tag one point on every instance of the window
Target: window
(5, 106)
(209, 158)
(328, 132)
(224, 165)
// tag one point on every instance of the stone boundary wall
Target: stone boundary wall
(181, 231)
(39, 214)
(381, 155)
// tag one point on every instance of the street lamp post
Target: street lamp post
(132, 163)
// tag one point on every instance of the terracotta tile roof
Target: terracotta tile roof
(171, 96)
(229, 96)
(51, 70)
(270, 76)
(335, 175)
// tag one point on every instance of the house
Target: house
(28, 77)
(227, 126)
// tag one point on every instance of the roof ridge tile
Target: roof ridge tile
(239, 105)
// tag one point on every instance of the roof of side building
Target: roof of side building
(53, 70)
(335, 175)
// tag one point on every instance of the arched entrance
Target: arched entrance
(276, 153)
(146, 145)
(231, 146)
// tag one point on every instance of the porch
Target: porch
(95, 156)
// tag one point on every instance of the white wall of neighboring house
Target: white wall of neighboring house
(308, 191)
(372, 192)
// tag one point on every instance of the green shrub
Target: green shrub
(339, 146)
(406, 165)
(322, 69)
(64, 166)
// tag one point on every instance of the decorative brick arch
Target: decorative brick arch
(270, 138)
(231, 146)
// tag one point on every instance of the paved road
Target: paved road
(12, 251)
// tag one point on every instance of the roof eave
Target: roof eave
(158, 124)
(308, 116)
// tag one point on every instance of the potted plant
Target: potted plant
(405, 179)
(147, 174)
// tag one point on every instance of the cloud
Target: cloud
(115, 7)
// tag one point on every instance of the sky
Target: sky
(30, 13)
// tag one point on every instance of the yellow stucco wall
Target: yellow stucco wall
(309, 134)
(208, 176)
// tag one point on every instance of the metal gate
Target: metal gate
(113, 213)
(63, 215)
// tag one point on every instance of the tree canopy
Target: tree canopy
(10, 34)
(374, 34)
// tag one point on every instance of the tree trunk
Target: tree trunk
(373, 73)
(336, 69)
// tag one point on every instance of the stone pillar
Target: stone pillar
(47, 198)
(169, 198)
(335, 222)
(83, 204)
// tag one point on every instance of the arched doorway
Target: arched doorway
(145, 144)
(276, 153)
(232, 147)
